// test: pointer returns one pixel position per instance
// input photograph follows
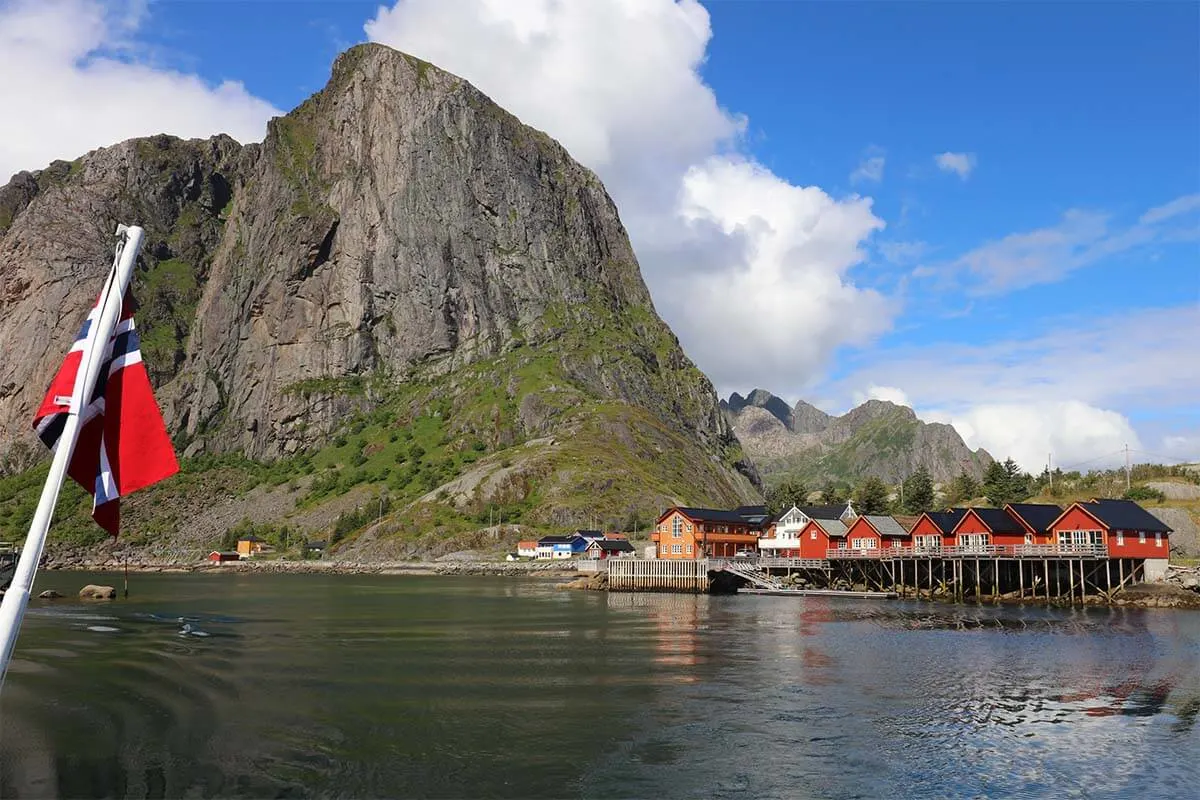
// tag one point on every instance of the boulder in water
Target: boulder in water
(94, 592)
(50, 594)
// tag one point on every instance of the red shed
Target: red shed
(217, 557)
(1127, 529)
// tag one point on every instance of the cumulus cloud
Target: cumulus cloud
(1080, 238)
(1072, 433)
(1076, 375)
(70, 82)
(888, 393)
(960, 163)
(719, 236)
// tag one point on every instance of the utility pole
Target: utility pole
(1127, 467)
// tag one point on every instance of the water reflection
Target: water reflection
(441, 687)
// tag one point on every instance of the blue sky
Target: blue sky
(1027, 297)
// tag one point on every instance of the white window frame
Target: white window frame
(864, 543)
(677, 549)
(1141, 537)
(1158, 540)
(677, 528)
(812, 534)
(1120, 538)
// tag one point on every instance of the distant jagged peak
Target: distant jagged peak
(761, 398)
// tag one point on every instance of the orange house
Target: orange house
(982, 527)
(1036, 519)
(1127, 529)
(934, 529)
(685, 532)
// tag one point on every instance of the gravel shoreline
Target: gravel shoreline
(517, 568)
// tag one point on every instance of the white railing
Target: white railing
(981, 551)
(770, 562)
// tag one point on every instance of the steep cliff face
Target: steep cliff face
(398, 241)
(876, 438)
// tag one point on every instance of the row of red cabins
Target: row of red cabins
(1112, 528)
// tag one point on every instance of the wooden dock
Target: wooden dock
(658, 575)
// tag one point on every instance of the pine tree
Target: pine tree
(832, 495)
(963, 489)
(918, 492)
(790, 492)
(871, 496)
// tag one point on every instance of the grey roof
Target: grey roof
(887, 526)
(834, 527)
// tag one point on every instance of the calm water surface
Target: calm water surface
(307, 685)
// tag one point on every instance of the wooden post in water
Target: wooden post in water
(1020, 579)
(978, 588)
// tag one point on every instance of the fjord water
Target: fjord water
(357, 686)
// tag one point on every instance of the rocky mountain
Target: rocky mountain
(877, 438)
(403, 287)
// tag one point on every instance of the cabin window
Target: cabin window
(1158, 540)
(862, 544)
(974, 541)
(689, 527)
(677, 549)
(812, 535)
(689, 549)
(676, 527)
(1120, 538)
(1029, 538)
(1141, 537)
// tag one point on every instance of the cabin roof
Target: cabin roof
(1125, 515)
(998, 520)
(947, 520)
(886, 525)
(1039, 516)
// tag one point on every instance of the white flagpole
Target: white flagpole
(16, 598)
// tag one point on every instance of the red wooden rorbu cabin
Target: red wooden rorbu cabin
(982, 527)
(1124, 527)
(934, 529)
(1035, 519)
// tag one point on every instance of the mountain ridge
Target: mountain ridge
(400, 257)
(876, 438)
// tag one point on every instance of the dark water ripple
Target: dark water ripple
(314, 686)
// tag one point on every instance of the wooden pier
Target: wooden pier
(1037, 573)
(658, 575)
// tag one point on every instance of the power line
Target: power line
(1168, 458)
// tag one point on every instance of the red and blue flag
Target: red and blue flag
(123, 444)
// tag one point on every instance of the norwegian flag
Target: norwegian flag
(123, 444)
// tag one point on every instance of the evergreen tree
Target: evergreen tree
(783, 496)
(918, 492)
(832, 495)
(963, 489)
(871, 496)
(1005, 483)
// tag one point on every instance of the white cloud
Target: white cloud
(903, 252)
(1079, 239)
(888, 393)
(1057, 391)
(65, 91)
(960, 163)
(719, 237)
(1076, 434)
(869, 169)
